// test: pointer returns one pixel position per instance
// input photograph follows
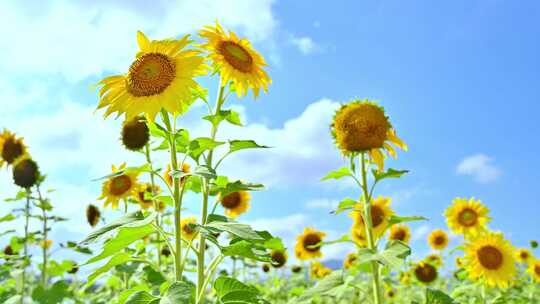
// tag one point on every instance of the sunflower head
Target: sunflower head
(121, 185)
(359, 237)
(188, 233)
(135, 134)
(350, 260)
(144, 193)
(25, 173)
(534, 270)
(425, 273)
(434, 259)
(467, 216)
(161, 76)
(319, 271)
(235, 203)
(12, 148)
(438, 239)
(405, 278)
(8, 250)
(165, 251)
(73, 269)
(490, 258)
(296, 269)
(308, 244)
(523, 255)
(400, 232)
(235, 60)
(380, 213)
(92, 215)
(279, 258)
(46, 244)
(390, 293)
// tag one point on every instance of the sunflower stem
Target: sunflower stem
(156, 204)
(26, 259)
(204, 211)
(44, 214)
(369, 232)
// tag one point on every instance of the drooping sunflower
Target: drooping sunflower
(467, 216)
(523, 255)
(534, 270)
(362, 126)
(236, 60)
(307, 244)
(279, 258)
(400, 232)
(160, 77)
(185, 167)
(319, 271)
(359, 235)
(425, 273)
(490, 258)
(434, 259)
(144, 193)
(438, 239)
(12, 148)
(119, 186)
(135, 134)
(92, 215)
(235, 203)
(188, 233)
(380, 212)
(349, 260)
(25, 172)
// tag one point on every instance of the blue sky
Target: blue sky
(458, 79)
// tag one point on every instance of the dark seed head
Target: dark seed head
(26, 173)
(135, 134)
(92, 215)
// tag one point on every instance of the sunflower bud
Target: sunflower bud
(265, 268)
(534, 244)
(92, 215)
(135, 134)
(296, 269)
(25, 173)
(166, 252)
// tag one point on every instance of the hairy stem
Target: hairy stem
(156, 203)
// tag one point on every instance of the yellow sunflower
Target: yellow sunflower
(307, 244)
(400, 232)
(467, 216)
(46, 244)
(235, 203)
(362, 126)
(425, 273)
(185, 167)
(349, 260)
(459, 262)
(279, 258)
(523, 255)
(380, 212)
(144, 193)
(434, 259)
(319, 271)
(491, 258)
(12, 148)
(359, 235)
(405, 278)
(534, 270)
(118, 187)
(236, 60)
(438, 239)
(160, 77)
(188, 234)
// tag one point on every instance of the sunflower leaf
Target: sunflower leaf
(338, 174)
(126, 219)
(434, 296)
(390, 173)
(394, 254)
(403, 219)
(231, 116)
(346, 204)
(237, 145)
(201, 144)
(202, 171)
(326, 286)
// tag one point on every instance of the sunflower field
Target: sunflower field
(153, 251)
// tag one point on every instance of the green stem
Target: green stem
(369, 232)
(156, 203)
(483, 292)
(204, 211)
(45, 235)
(26, 259)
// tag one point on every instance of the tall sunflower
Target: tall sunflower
(307, 244)
(350, 260)
(235, 203)
(362, 126)
(467, 216)
(400, 232)
(523, 255)
(25, 172)
(438, 239)
(188, 233)
(534, 270)
(490, 258)
(380, 212)
(160, 77)
(434, 259)
(119, 186)
(235, 60)
(12, 148)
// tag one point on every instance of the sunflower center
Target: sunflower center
(150, 74)
(467, 217)
(399, 235)
(426, 273)
(232, 200)
(310, 241)
(537, 269)
(377, 216)
(439, 240)
(524, 255)
(278, 259)
(119, 185)
(490, 257)
(236, 55)
(135, 134)
(11, 150)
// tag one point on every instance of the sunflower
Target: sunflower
(349, 260)
(425, 273)
(438, 239)
(8, 250)
(359, 235)
(165, 251)
(144, 192)
(92, 215)
(188, 233)
(74, 269)
(490, 258)
(523, 255)
(119, 186)
(160, 77)
(11, 148)
(468, 217)
(265, 268)
(236, 60)
(534, 270)
(296, 269)
(362, 126)
(405, 278)
(380, 212)
(135, 134)
(459, 262)
(434, 259)
(25, 172)
(235, 203)
(46, 244)
(307, 244)
(279, 258)
(319, 271)
(400, 232)
(185, 167)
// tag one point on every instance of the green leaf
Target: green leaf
(126, 219)
(201, 144)
(323, 287)
(434, 296)
(242, 231)
(157, 130)
(390, 173)
(57, 269)
(246, 249)
(232, 291)
(53, 295)
(153, 277)
(346, 204)
(117, 259)
(202, 171)
(403, 219)
(229, 115)
(179, 292)
(274, 243)
(236, 186)
(237, 145)
(7, 218)
(394, 254)
(337, 174)
(142, 297)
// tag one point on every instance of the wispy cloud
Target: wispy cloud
(481, 167)
(321, 203)
(305, 45)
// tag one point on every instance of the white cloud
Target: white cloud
(305, 45)
(480, 167)
(325, 204)
(420, 232)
